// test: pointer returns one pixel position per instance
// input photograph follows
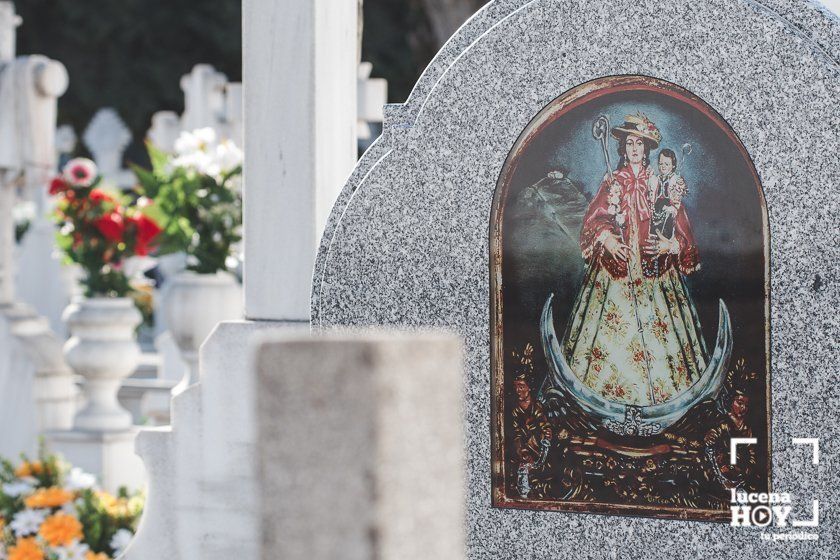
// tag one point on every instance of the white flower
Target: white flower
(206, 136)
(120, 540)
(73, 551)
(28, 521)
(17, 488)
(3, 555)
(80, 172)
(200, 140)
(202, 152)
(228, 156)
(77, 479)
(24, 212)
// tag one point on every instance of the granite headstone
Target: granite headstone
(409, 242)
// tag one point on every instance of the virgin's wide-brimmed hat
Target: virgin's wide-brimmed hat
(638, 125)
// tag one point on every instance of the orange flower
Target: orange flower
(2, 523)
(60, 529)
(48, 498)
(26, 549)
(29, 469)
(96, 556)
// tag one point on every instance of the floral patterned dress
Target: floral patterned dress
(634, 336)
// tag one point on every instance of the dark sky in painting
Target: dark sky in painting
(724, 206)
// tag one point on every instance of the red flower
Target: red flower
(111, 226)
(57, 185)
(147, 229)
(98, 196)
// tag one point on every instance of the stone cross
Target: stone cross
(204, 98)
(166, 126)
(65, 142)
(9, 22)
(107, 138)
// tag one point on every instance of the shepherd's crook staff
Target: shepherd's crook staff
(600, 130)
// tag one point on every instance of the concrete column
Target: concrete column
(361, 447)
(299, 78)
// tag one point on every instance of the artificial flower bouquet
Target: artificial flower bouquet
(52, 511)
(100, 230)
(197, 199)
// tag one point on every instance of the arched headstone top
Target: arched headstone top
(792, 59)
(408, 242)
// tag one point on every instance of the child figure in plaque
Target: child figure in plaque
(667, 191)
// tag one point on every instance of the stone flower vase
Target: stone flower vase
(194, 304)
(103, 349)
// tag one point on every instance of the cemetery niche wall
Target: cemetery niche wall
(618, 250)
(743, 93)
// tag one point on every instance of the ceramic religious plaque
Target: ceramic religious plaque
(630, 328)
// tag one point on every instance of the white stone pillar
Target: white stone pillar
(360, 447)
(299, 92)
(300, 73)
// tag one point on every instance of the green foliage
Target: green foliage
(201, 215)
(20, 230)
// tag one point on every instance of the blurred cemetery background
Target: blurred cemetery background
(100, 79)
(164, 40)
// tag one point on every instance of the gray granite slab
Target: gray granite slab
(407, 242)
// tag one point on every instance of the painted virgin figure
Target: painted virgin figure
(634, 336)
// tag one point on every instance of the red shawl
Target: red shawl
(635, 204)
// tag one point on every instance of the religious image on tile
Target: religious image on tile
(629, 307)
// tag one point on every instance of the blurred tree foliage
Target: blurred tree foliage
(401, 37)
(131, 54)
